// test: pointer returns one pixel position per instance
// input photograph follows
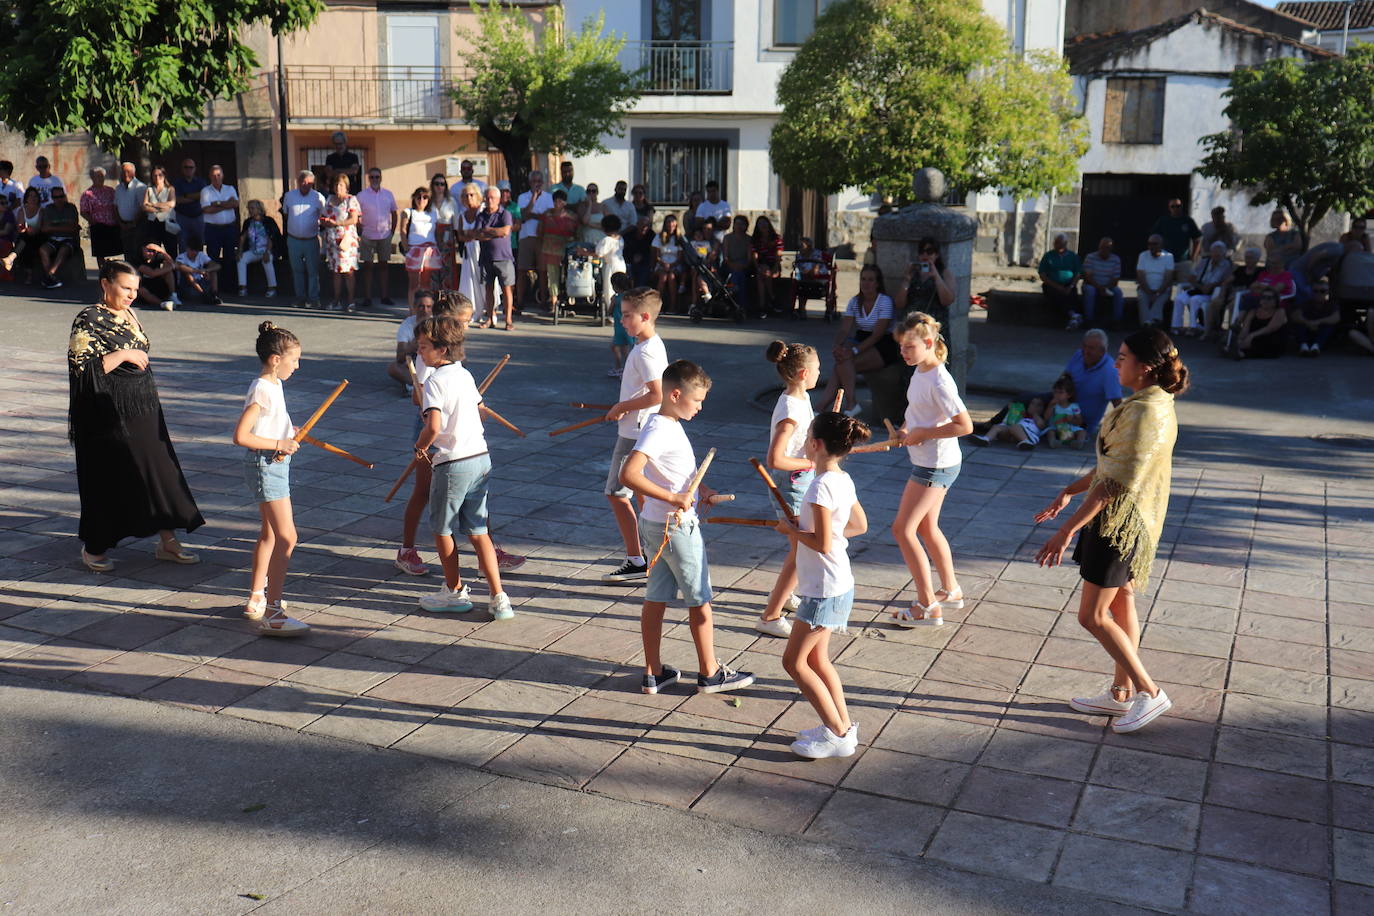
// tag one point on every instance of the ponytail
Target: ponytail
(839, 433)
(927, 328)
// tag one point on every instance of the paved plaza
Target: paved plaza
(974, 784)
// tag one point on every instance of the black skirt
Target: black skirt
(887, 347)
(1100, 563)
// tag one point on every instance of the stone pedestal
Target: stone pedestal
(895, 239)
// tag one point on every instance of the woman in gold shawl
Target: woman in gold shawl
(1121, 519)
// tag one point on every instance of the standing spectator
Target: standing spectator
(621, 207)
(467, 226)
(189, 215)
(591, 213)
(129, 193)
(690, 220)
(531, 204)
(928, 287)
(45, 180)
(1154, 277)
(1283, 244)
(378, 230)
(715, 208)
(60, 228)
(667, 247)
(737, 251)
(219, 206)
(343, 162)
(340, 223)
(1219, 230)
(639, 250)
(1181, 236)
(1101, 280)
(556, 229)
(508, 204)
(1201, 297)
(97, 208)
(1245, 283)
(1059, 272)
(417, 243)
(157, 277)
(197, 272)
(441, 208)
(1095, 380)
(611, 251)
(639, 197)
(767, 264)
(497, 259)
(302, 206)
(1316, 320)
(159, 202)
(258, 245)
(465, 172)
(575, 192)
(9, 188)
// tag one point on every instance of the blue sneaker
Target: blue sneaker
(666, 678)
(724, 679)
(500, 607)
(446, 601)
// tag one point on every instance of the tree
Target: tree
(133, 74)
(885, 87)
(1301, 136)
(543, 93)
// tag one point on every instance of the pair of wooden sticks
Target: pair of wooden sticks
(675, 518)
(303, 431)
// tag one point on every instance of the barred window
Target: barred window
(1134, 111)
(673, 169)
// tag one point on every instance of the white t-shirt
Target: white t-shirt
(451, 390)
(932, 399)
(420, 230)
(798, 410)
(708, 210)
(208, 196)
(882, 308)
(201, 261)
(1152, 268)
(826, 575)
(45, 186)
(303, 212)
(405, 334)
(529, 226)
(668, 252)
(645, 364)
(611, 251)
(671, 464)
(273, 420)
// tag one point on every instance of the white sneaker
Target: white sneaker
(827, 744)
(792, 603)
(1303, 348)
(270, 293)
(455, 601)
(168, 305)
(500, 607)
(1104, 704)
(1144, 710)
(780, 627)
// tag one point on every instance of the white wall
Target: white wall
(1031, 25)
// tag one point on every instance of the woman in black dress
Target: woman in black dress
(126, 470)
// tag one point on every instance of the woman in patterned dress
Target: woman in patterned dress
(339, 223)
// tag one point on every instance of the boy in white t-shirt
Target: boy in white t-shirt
(660, 469)
(640, 393)
(196, 271)
(461, 468)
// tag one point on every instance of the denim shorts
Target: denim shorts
(267, 479)
(794, 491)
(936, 477)
(826, 613)
(458, 496)
(681, 567)
(623, 447)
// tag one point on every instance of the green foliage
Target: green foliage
(1301, 136)
(543, 92)
(885, 87)
(136, 70)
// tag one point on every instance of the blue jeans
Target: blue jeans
(191, 227)
(222, 243)
(304, 257)
(1090, 302)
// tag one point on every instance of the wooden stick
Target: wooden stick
(567, 429)
(876, 447)
(335, 450)
(692, 486)
(751, 522)
(395, 488)
(491, 376)
(304, 429)
(773, 487)
(410, 364)
(891, 430)
(839, 401)
(500, 419)
(580, 406)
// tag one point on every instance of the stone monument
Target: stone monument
(895, 238)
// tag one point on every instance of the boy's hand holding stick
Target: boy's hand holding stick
(690, 493)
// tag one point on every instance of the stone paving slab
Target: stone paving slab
(1259, 783)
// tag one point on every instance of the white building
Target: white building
(1336, 22)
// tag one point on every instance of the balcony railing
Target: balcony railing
(380, 95)
(682, 67)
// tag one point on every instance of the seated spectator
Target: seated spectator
(1096, 384)
(1315, 320)
(1201, 298)
(1283, 244)
(810, 273)
(1259, 334)
(197, 273)
(1023, 423)
(9, 233)
(28, 239)
(1059, 272)
(767, 264)
(1219, 230)
(97, 208)
(737, 251)
(1312, 265)
(156, 277)
(258, 243)
(9, 188)
(706, 258)
(59, 225)
(863, 343)
(1154, 278)
(1364, 337)
(928, 287)
(1357, 238)
(1245, 284)
(1277, 277)
(1102, 280)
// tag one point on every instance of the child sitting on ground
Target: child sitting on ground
(1063, 417)
(1024, 424)
(196, 271)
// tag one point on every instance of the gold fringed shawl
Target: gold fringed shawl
(1135, 451)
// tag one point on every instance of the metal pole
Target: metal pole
(281, 121)
(1345, 32)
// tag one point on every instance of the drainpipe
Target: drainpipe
(281, 120)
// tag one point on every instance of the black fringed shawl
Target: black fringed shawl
(101, 402)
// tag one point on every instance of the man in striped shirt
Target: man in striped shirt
(1102, 279)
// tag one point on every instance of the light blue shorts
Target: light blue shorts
(623, 447)
(794, 491)
(826, 613)
(682, 566)
(267, 479)
(936, 477)
(458, 496)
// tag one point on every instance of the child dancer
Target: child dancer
(831, 514)
(935, 419)
(641, 390)
(265, 429)
(461, 467)
(621, 341)
(800, 368)
(659, 468)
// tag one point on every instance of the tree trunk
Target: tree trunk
(515, 150)
(140, 152)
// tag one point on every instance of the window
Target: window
(1134, 111)
(314, 157)
(795, 20)
(673, 169)
(676, 20)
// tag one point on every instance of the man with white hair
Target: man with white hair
(1201, 297)
(1059, 272)
(531, 203)
(219, 205)
(1154, 278)
(128, 194)
(1095, 380)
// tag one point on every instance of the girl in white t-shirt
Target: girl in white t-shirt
(265, 429)
(800, 368)
(935, 419)
(831, 514)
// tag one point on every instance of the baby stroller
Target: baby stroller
(813, 277)
(581, 285)
(720, 298)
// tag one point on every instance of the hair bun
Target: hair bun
(265, 327)
(776, 352)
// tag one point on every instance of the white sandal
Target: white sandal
(918, 616)
(96, 564)
(946, 598)
(256, 606)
